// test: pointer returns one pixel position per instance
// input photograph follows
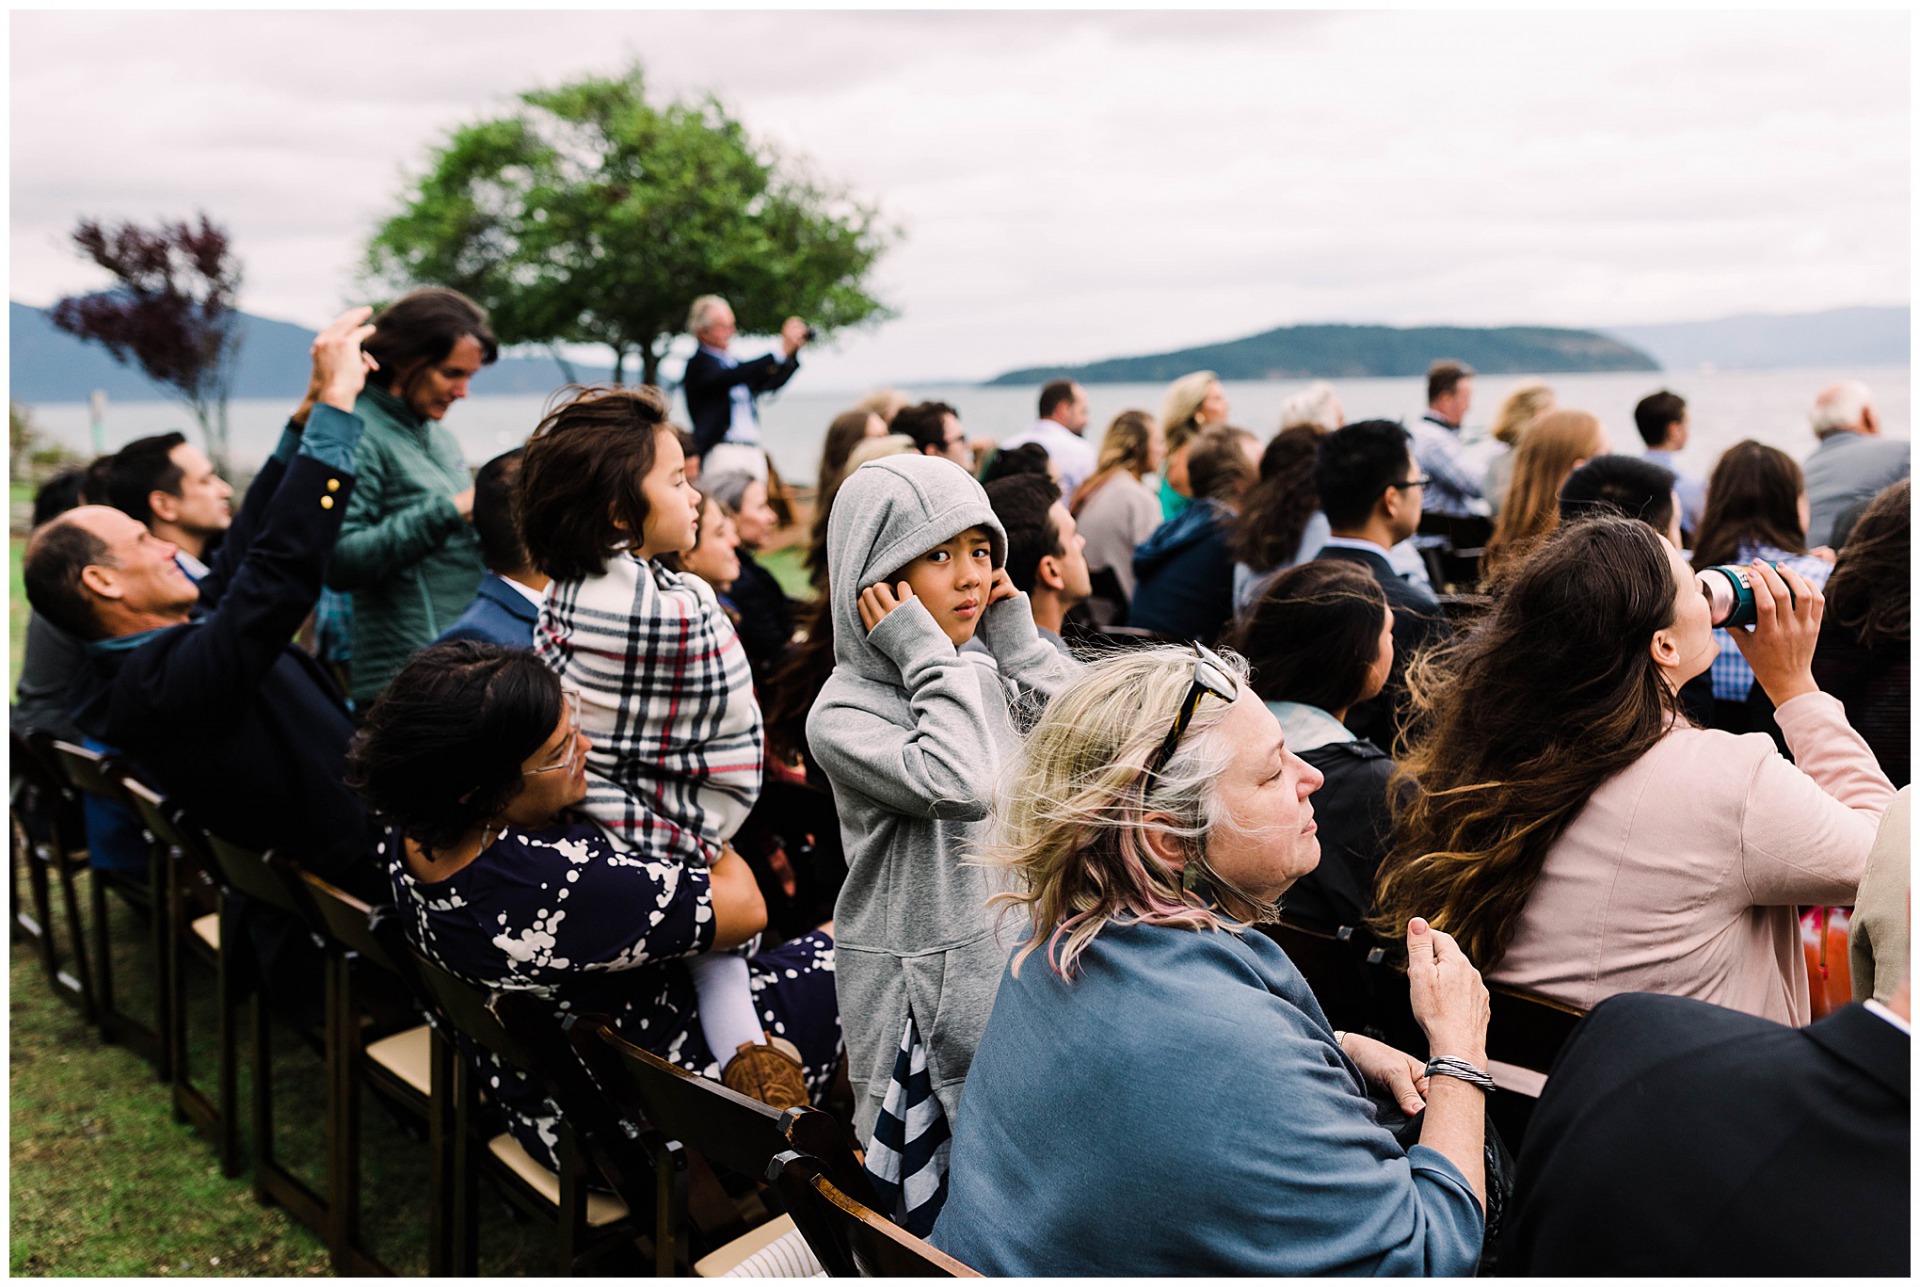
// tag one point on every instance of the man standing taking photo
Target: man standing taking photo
(721, 390)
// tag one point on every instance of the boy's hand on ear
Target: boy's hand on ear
(1001, 588)
(877, 600)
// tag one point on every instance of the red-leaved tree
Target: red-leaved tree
(172, 312)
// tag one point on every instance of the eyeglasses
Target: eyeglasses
(1211, 678)
(572, 756)
(1412, 483)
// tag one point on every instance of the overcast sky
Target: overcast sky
(1071, 185)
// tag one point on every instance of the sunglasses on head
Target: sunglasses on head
(1211, 678)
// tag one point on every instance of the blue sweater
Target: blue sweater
(1180, 1108)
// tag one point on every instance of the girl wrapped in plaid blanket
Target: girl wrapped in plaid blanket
(666, 693)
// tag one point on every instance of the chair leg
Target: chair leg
(572, 1207)
(466, 1208)
(80, 982)
(445, 1191)
(159, 944)
(261, 1093)
(103, 963)
(229, 1088)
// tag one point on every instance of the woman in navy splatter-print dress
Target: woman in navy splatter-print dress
(474, 756)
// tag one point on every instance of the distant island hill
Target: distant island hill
(1863, 336)
(48, 366)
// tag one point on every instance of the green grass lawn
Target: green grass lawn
(105, 1182)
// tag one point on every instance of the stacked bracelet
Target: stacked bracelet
(1448, 1066)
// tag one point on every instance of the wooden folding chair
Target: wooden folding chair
(850, 1238)
(666, 1106)
(99, 775)
(243, 873)
(399, 1066)
(589, 1224)
(49, 843)
(193, 932)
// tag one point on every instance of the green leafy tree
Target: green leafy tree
(592, 216)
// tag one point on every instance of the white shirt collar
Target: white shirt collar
(1890, 1017)
(1308, 728)
(533, 596)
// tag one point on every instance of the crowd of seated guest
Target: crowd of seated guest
(575, 675)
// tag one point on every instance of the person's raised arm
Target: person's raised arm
(1450, 1004)
(276, 579)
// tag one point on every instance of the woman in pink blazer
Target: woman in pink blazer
(1579, 836)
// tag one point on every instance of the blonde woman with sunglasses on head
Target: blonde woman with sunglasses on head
(1157, 1091)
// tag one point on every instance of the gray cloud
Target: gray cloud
(1072, 184)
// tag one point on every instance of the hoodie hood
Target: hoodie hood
(888, 513)
(1195, 523)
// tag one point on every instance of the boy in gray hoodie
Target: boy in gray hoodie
(912, 733)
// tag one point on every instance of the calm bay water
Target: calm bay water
(1726, 406)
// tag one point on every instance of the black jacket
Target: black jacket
(708, 385)
(223, 713)
(1417, 622)
(1184, 575)
(1678, 1137)
(1355, 828)
(766, 616)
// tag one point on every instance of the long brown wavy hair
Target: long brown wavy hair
(1518, 722)
(1753, 498)
(1276, 509)
(1870, 592)
(1547, 453)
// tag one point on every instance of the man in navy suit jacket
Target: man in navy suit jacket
(720, 390)
(1371, 492)
(1678, 1137)
(199, 684)
(507, 603)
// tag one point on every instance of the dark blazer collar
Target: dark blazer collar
(494, 586)
(1869, 1043)
(1378, 562)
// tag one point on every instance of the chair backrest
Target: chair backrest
(1355, 985)
(88, 771)
(243, 870)
(44, 793)
(1526, 1029)
(730, 1130)
(850, 1238)
(334, 913)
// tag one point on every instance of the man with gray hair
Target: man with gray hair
(1316, 405)
(1853, 461)
(720, 389)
